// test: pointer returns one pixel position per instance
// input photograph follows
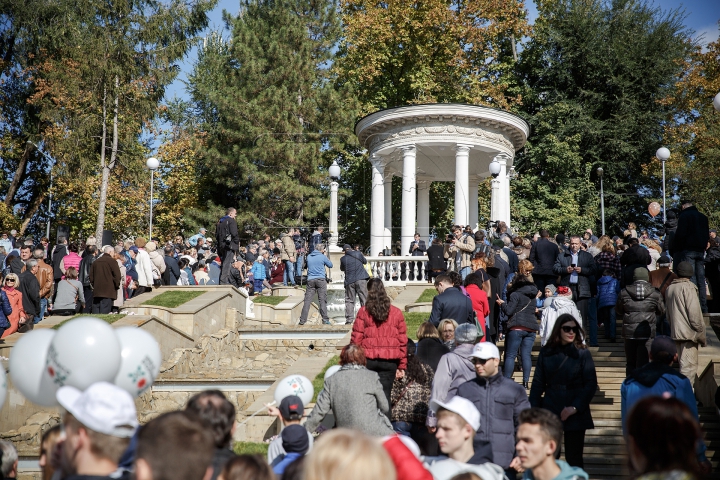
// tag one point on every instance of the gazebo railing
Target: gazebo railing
(398, 269)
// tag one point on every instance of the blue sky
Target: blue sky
(702, 17)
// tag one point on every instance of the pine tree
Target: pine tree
(273, 115)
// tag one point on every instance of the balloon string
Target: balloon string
(263, 408)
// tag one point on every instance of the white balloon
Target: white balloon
(331, 371)
(295, 385)
(84, 351)
(3, 387)
(140, 363)
(28, 367)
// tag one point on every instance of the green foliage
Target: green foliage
(414, 320)
(272, 113)
(251, 448)
(269, 300)
(427, 295)
(319, 379)
(593, 73)
(173, 298)
(109, 318)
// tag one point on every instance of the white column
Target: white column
(474, 204)
(377, 209)
(333, 247)
(409, 191)
(423, 210)
(462, 188)
(387, 232)
(500, 200)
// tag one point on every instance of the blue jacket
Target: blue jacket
(287, 459)
(608, 290)
(316, 263)
(655, 379)
(566, 472)
(259, 271)
(214, 272)
(5, 310)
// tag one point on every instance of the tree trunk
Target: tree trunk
(30, 212)
(105, 172)
(18, 177)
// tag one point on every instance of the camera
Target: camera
(450, 237)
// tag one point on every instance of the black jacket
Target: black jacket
(497, 281)
(85, 264)
(16, 266)
(634, 257)
(670, 229)
(436, 258)
(418, 252)
(543, 255)
(520, 307)
(692, 233)
(513, 259)
(220, 458)
(353, 264)
(429, 351)
(637, 306)
(172, 270)
(588, 268)
(452, 303)
(30, 289)
(227, 230)
(565, 377)
(60, 251)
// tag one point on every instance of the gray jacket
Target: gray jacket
(353, 264)
(499, 401)
(357, 399)
(454, 369)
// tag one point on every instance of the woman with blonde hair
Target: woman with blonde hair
(525, 267)
(654, 250)
(14, 296)
(446, 329)
(348, 455)
(633, 229)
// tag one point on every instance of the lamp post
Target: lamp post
(600, 172)
(334, 172)
(663, 154)
(152, 163)
(47, 229)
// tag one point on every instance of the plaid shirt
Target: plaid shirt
(610, 261)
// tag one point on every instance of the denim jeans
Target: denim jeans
(299, 265)
(289, 273)
(43, 309)
(593, 321)
(607, 316)
(523, 341)
(464, 272)
(696, 259)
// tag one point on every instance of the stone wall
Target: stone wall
(226, 355)
(152, 405)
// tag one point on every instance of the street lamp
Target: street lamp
(602, 198)
(334, 172)
(47, 229)
(495, 168)
(152, 163)
(663, 154)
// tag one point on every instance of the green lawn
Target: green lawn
(427, 295)
(251, 448)
(173, 299)
(413, 320)
(268, 300)
(319, 380)
(109, 318)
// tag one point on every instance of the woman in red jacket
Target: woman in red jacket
(474, 288)
(381, 330)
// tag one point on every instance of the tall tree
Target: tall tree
(273, 116)
(595, 71)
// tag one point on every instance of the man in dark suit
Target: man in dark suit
(689, 244)
(450, 303)
(356, 277)
(577, 269)
(228, 242)
(543, 255)
(417, 249)
(172, 270)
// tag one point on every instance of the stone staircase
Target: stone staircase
(605, 453)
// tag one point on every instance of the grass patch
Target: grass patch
(251, 448)
(427, 295)
(109, 318)
(319, 380)
(173, 299)
(268, 300)
(413, 320)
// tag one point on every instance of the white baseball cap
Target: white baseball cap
(103, 407)
(485, 351)
(461, 406)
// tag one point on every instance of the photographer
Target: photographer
(460, 251)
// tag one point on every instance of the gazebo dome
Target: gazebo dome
(437, 142)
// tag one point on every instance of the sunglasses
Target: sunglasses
(9, 281)
(479, 361)
(567, 329)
